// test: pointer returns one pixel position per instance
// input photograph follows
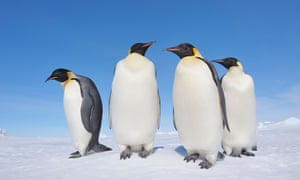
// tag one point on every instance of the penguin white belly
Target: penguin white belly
(197, 110)
(134, 106)
(241, 112)
(72, 106)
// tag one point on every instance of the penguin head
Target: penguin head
(184, 49)
(229, 62)
(60, 75)
(140, 48)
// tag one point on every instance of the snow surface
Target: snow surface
(278, 157)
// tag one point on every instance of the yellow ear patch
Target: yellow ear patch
(238, 63)
(196, 52)
(69, 75)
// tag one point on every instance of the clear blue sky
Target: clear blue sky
(90, 37)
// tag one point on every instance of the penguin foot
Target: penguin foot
(191, 157)
(144, 153)
(101, 148)
(236, 152)
(246, 153)
(126, 153)
(75, 154)
(205, 164)
(235, 155)
(220, 157)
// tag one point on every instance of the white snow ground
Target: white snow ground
(278, 157)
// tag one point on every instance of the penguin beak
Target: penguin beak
(51, 78)
(148, 44)
(220, 61)
(172, 49)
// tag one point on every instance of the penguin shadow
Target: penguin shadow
(157, 148)
(181, 151)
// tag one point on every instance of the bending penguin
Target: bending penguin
(134, 106)
(199, 107)
(83, 110)
(241, 109)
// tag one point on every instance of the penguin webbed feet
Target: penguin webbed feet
(101, 148)
(205, 164)
(192, 157)
(235, 154)
(126, 153)
(144, 153)
(220, 156)
(247, 153)
(238, 153)
(75, 154)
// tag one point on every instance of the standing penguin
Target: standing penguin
(241, 109)
(198, 106)
(83, 109)
(134, 107)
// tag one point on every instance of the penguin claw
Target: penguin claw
(205, 164)
(126, 154)
(144, 153)
(75, 154)
(246, 153)
(191, 157)
(221, 156)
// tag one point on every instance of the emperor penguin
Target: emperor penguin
(83, 110)
(199, 108)
(241, 109)
(134, 105)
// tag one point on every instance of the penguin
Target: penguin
(134, 103)
(83, 110)
(239, 93)
(199, 113)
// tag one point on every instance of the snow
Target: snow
(278, 157)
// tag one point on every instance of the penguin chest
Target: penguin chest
(72, 107)
(241, 109)
(197, 111)
(134, 105)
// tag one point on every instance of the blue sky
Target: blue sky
(90, 37)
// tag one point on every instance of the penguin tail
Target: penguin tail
(101, 148)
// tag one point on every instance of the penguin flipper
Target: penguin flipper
(91, 107)
(158, 111)
(174, 124)
(109, 101)
(109, 112)
(220, 91)
(87, 109)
